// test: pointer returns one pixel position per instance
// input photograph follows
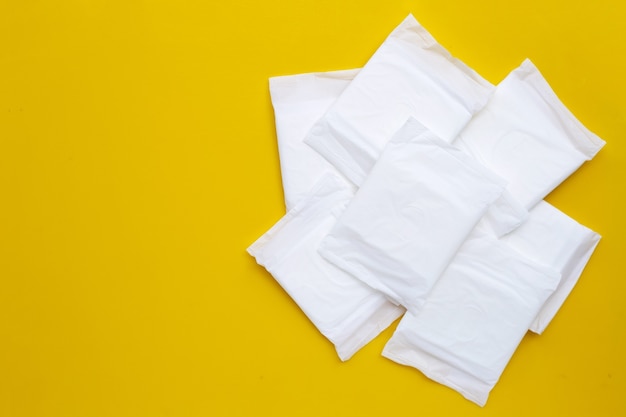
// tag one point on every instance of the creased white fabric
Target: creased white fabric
(410, 75)
(346, 311)
(527, 135)
(552, 238)
(475, 317)
(410, 216)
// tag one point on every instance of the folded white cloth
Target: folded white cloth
(474, 318)
(409, 75)
(346, 311)
(526, 135)
(410, 216)
(299, 101)
(552, 238)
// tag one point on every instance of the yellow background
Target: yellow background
(138, 160)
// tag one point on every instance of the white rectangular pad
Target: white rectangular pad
(406, 222)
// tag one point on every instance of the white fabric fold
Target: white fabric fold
(526, 135)
(475, 317)
(346, 311)
(410, 216)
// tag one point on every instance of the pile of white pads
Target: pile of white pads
(415, 187)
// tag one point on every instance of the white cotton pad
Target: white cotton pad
(526, 135)
(552, 238)
(475, 317)
(410, 75)
(346, 311)
(299, 101)
(406, 222)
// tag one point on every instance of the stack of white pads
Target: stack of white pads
(414, 186)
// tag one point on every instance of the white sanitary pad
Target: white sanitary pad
(475, 317)
(410, 216)
(554, 239)
(526, 135)
(346, 311)
(299, 101)
(410, 75)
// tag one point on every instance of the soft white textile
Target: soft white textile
(346, 311)
(409, 75)
(552, 238)
(474, 318)
(526, 135)
(408, 219)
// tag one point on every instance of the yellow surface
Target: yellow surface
(138, 160)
